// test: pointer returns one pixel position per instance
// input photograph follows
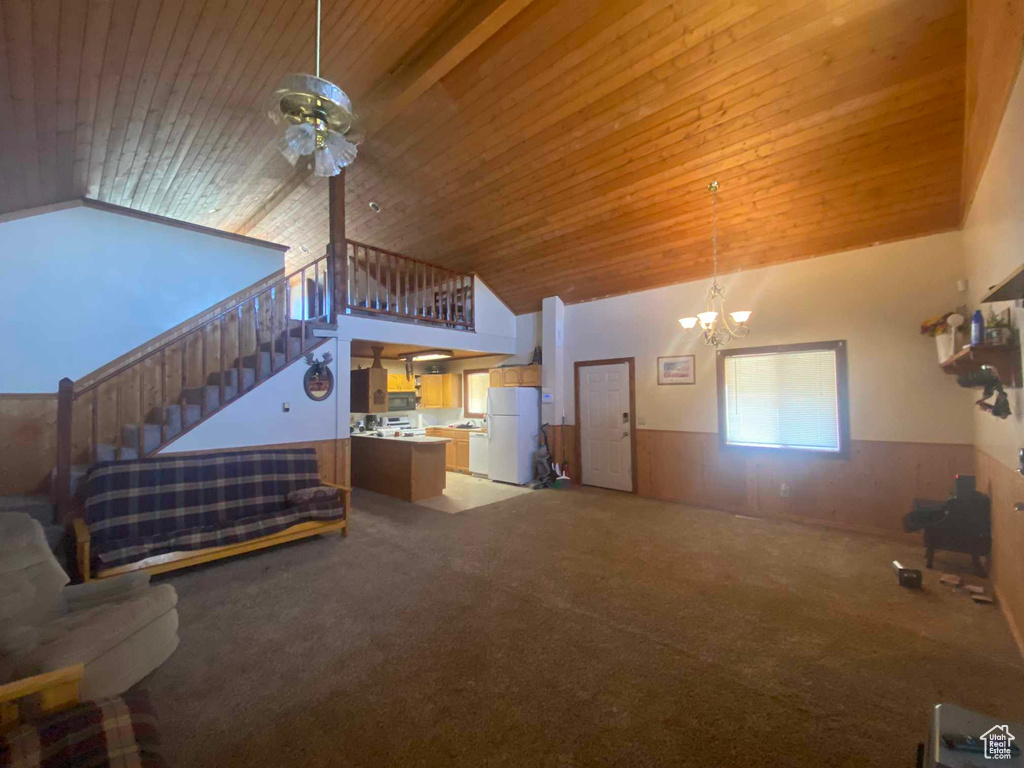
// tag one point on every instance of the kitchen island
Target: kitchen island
(408, 468)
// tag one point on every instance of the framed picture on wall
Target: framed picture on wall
(681, 369)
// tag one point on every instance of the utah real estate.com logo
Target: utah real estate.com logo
(997, 743)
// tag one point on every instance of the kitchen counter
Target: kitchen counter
(414, 439)
(407, 468)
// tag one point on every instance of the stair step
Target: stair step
(152, 436)
(264, 364)
(172, 419)
(231, 378)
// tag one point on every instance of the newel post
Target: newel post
(337, 248)
(62, 489)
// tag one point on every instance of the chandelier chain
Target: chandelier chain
(318, 38)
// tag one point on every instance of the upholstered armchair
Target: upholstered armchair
(120, 628)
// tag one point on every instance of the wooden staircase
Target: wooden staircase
(136, 410)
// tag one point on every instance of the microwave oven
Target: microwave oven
(401, 401)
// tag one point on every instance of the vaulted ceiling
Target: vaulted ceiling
(553, 146)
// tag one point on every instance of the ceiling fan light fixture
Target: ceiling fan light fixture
(317, 116)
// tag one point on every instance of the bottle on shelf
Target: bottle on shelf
(977, 329)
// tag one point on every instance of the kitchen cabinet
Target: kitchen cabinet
(369, 390)
(432, 390)
(397, 382)
(516, 376)
(456, 451)
(452, 390)
(441, 390)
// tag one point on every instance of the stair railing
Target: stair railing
(382, 282)
(162, 376)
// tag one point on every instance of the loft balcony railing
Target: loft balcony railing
(384, 283)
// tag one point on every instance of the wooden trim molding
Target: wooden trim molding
(842, 396)
(27, 213)
(1006, 488)
(631, 362)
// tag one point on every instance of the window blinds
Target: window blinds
(783, 400)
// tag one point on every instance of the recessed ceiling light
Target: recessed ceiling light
(214, 210)
(304, 249)
(375, 207)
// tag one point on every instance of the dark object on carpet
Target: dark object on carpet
(959, 524)
(908, 577)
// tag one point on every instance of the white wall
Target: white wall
(994, 247)
(874, 298)
(259, 418)
(87, 286)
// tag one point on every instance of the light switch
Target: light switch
(286, 407)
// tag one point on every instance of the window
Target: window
(790, 397)
(476, 383)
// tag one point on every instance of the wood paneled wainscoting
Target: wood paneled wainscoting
(869, 492)
(1006, 488)
(28, 443)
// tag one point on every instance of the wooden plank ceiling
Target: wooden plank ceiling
(566, 152)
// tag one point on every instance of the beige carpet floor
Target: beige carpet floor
(571, 628)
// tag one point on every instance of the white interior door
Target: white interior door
(605, 438)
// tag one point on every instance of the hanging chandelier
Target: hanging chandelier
(318, 119)
(714, 326)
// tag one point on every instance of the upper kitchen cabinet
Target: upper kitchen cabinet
(369, 387)
(399, 382)
(441, 390)
(369, 390)
(516, 376)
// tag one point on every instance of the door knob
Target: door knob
(625, 434)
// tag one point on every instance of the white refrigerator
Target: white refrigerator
(513, 424)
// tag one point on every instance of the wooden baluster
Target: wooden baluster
(205, 376)
(288, 322)
(451, 298)
(316, 289)
(403, 288)
(238, 362)
(163, 384)
(65, 406)
(220, 333)
(273, 331)
(142, 412)
(184, 381)
(376, 256)
(94, 436)
(117, 413)
(302, 342)
(388, 282)
(256, 333)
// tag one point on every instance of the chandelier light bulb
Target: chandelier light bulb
(687, 322)
(740, 316)
(707, 319)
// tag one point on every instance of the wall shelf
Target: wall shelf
(1003, 357)
(1010, 289)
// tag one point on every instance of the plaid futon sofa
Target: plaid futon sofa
(138, 509)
